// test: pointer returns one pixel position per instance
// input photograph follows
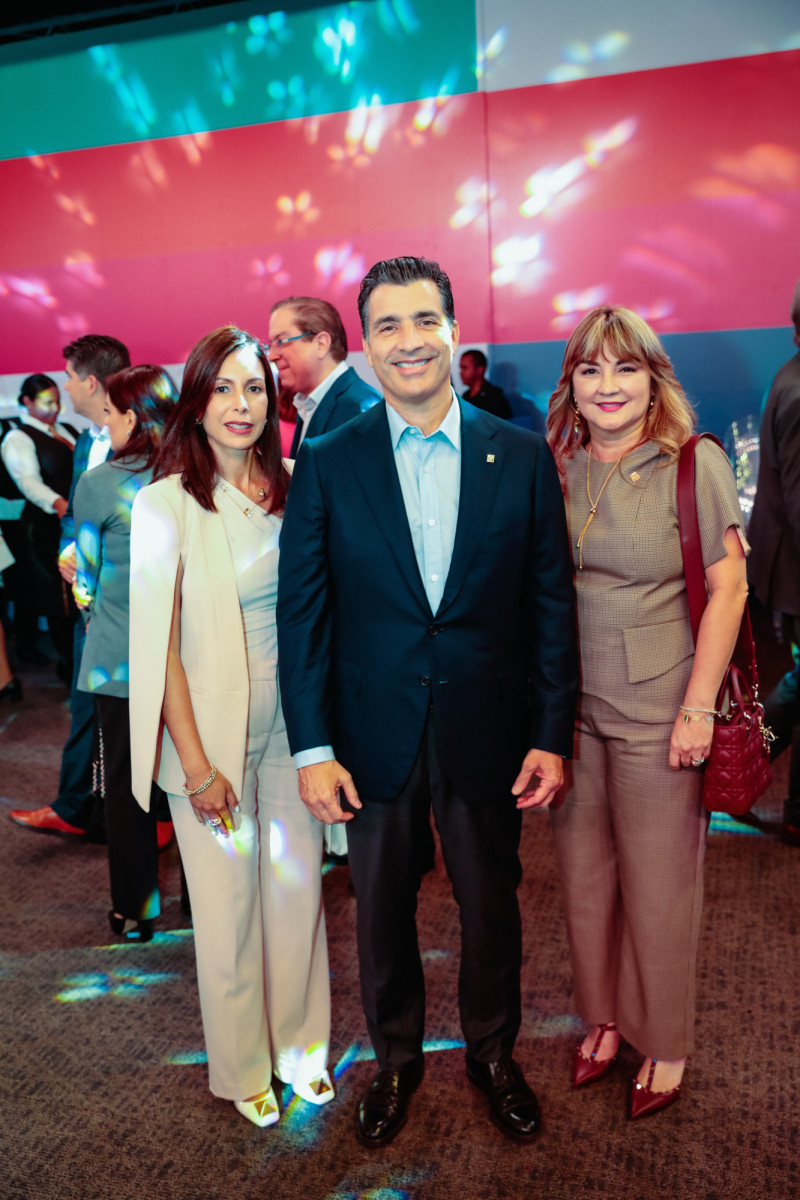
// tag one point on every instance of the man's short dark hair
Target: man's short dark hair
(795, 313)
(312, 315)
(402, 271)
(98, 355)
(478, 357)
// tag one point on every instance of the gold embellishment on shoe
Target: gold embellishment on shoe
(264, 1105)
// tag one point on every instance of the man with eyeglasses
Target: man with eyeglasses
(308, 346)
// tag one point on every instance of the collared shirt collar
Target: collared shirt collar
(321, 389)
(450, 426)
(35, 423)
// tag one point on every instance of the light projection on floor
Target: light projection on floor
(122, 984)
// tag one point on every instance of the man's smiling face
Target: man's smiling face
(411, 343)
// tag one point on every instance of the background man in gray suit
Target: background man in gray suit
(774, 565)
(307, 344)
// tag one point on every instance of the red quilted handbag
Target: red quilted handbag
(737, 771)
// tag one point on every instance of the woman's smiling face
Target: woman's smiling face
(613, 395)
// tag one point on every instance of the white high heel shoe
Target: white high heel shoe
(261, 1110)
(315, 1091)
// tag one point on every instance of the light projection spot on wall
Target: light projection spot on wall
(475, 198)
(491, 51)
(297, 213)
(579, 57)
(339, 41)
(268, 272)
(517, 261)
(76, 207)
(339, 267)
(552, 186)
(267, 34)
(753, 182)
(398, 16)
(136, 106)
(81, 266)
(33, 292)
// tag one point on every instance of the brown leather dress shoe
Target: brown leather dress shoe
(383, 1108)
(45, 820)
(512, 1105)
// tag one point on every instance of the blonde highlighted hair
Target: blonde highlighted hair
(624, 335)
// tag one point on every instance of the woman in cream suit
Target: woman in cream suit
(206, 719)
(629, 823)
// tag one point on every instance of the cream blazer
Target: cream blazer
(168, 529)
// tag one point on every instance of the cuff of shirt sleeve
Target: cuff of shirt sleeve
(309, 758)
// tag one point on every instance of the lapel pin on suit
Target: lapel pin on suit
(490, 458)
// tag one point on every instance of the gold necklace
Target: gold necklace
(592, 503)
(226, 487)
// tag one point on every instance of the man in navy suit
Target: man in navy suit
(428, 660)
(308, 346)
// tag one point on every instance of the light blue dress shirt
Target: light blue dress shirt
(429, 470)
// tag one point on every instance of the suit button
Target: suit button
(434, 629)
(425, 680)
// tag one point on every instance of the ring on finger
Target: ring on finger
(215, 821)
(698, 762)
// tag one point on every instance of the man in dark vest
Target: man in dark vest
(481, 393)
(37, 456)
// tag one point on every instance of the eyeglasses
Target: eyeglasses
(273, 342)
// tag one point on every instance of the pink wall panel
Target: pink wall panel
(674, 191)
(157, 243)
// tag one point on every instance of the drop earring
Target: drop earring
(652, 403)
(577, 426)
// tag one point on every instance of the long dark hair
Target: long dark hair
(34, 385)
(149, 393)
(185, 449)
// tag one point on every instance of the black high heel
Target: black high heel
(132, 931)
(12, 691)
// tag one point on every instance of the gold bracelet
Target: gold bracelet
(205, 784)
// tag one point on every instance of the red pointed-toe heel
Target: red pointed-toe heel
(587, 1070)
(645, 1101)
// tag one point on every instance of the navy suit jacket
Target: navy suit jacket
(361, 654)
(347, 397)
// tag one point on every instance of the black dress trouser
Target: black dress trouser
(480, 845)
(131, 832)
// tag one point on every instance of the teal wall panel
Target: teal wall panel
(267, 68)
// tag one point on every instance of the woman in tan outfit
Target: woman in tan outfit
(629, 823)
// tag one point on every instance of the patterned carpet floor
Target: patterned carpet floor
(103, 1092)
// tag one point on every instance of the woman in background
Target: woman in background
(629, 824)
(206, 717)
(138, 402)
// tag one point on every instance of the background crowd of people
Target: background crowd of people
(460, 622)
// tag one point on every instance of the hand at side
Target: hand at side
(539, 779)
(319, 791)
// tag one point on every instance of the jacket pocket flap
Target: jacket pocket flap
(652, 650)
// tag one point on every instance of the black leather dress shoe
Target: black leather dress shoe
(512, 1104)
(383, 1108)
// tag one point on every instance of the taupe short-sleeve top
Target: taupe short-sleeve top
(633, 616)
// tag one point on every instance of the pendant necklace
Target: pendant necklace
(225, 487)
(592, 503)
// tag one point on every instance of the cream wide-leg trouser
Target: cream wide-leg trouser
(262, 955)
